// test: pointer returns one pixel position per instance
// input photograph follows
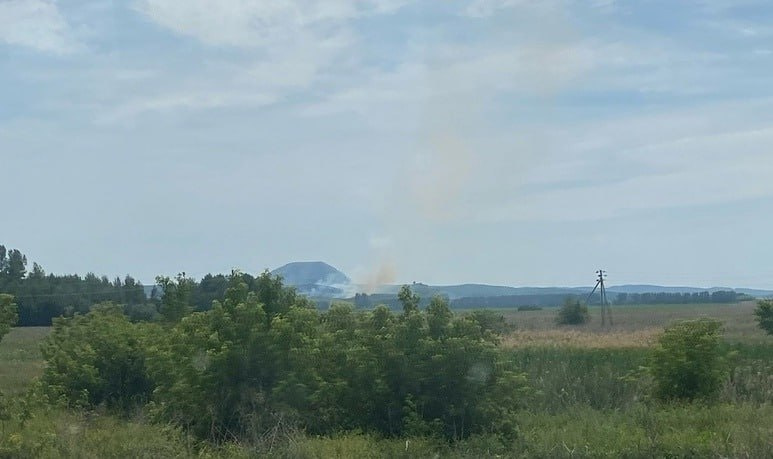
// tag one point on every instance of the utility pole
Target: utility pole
(606, 313)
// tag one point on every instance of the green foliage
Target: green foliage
(266, 356)
(213, 368)
(688, 362)
(492, 321)
(572, 313)
(176, 302)
(41, 297)
(764, 313)
(408, 299)
(8, 314)
(642, 432)
(585, 407)
(142, 312)
(42, 432)
(98, 358)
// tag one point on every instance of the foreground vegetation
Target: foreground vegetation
(640, 432)
(585, 406)
(577, 396)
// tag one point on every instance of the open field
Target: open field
(634, 326)
(588, 398)
(20, 359)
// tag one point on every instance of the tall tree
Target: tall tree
(408, 299)
(8, 314)
(176, 302)
(17, 266)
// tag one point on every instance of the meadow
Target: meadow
(589, 398)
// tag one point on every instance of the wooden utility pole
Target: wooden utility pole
(606, 313)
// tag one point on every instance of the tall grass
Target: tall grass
(611, 378)
(567, 377)
(20, 358)
(738, 319)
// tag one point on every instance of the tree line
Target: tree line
(723, 296)
(41, 297)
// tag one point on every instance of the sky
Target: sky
(506, 142)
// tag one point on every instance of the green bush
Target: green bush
(264, 360)
(8, 314)
(98, 358)
(572, 313)
(764, 313)
(143, 312)
(492, 321)
(688, 362)
(238, 372)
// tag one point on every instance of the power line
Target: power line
(606, 312)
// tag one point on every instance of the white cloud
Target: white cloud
(224, 84)
(485, 8)
(256, 23)
(187, 101)
(286, 45)
(35, 24)
(711, 157)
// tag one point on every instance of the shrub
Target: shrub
(144, 312)
(688, 362)
(491, 321)
(8, 314)
(764, 313)
(264, 361)
(97, 358)
(237, 371)
(572, 313)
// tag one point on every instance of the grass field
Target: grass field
(634, 326)
(20, 359)
(589, 398)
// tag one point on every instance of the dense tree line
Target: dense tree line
(724, 296)
(41, 297)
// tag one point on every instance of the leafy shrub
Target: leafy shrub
(529, 308)
(245, 366)
(264, 360)
(143, 312)
(764, 313)
(688, 362)
(8, 314)
(491, 321)
(572, 313)
(97, 358)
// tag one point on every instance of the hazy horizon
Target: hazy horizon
(498, 142)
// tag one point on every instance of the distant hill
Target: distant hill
(314, 278)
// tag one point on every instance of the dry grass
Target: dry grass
(634, 326)
(583, 338)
